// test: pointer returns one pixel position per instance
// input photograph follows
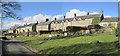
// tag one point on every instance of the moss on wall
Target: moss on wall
(96, 21)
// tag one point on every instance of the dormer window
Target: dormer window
(66, 20)
(74, 19)
(57, 22)
(53, 22)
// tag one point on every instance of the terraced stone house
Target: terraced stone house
(44, 27)
(110, 22)
(27, 28)
(82, 21)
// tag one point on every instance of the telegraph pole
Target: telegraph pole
(119, 23)
(1, 19)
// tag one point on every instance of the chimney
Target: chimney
(64, 17)
(47, 19)
(24, 24)
(74, 14)
(87, 13)
(101, 12)
(55, 18)
(37, 22)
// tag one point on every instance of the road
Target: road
(0, 47)
(14, 47)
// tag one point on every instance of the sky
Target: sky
(32, 12)
(63, 0)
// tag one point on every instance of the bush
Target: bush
(117, 31)
(82, 32)
(93, 30)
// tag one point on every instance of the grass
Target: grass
(74, 44)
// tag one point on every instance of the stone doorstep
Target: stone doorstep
(32, 49)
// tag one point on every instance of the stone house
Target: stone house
(27, 28)
(110, 22)
(44, 27)
(11, 31)
(82, 21)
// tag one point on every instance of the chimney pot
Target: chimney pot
(37, 21)
(74, 14)
(101, 12)
(87, 13)
(64, 17)
(55, 18)
(47, 19)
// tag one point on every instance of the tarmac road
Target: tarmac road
(0, 47)
(14, 47)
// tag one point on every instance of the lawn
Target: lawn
(74, 44)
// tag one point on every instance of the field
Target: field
(74, 44)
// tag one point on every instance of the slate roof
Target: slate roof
(31, 24)
(112, 19)
(79, 17)
(45, 23)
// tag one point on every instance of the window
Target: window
(43, 27)
(90, 20)
(74, 22)
(104, 24)
(80, 22)
(74, 19)
(62, 24)
(56, 25)
(46, 27)
(66, 20)
(39, 27)
(117, 24)
(66, 23)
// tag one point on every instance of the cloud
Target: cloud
(30, 19)
(58, 17)
(42, 18)
(78, 13)
(107, 16)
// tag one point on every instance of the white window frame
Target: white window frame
(66, 20)
(74, 19)
(62, 24)
(56, 25)
(74, 22)
(66, 23)
(104, 24)
(39, 27)
(80, 22)
(46, 27)
(90, 20)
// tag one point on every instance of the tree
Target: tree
(8, 10)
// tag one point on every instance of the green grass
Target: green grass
(74, 44)
(29, 38)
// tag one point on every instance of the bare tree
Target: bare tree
(8, 9)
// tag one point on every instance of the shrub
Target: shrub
(117, 31)
(82, 32)
(93, 30)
